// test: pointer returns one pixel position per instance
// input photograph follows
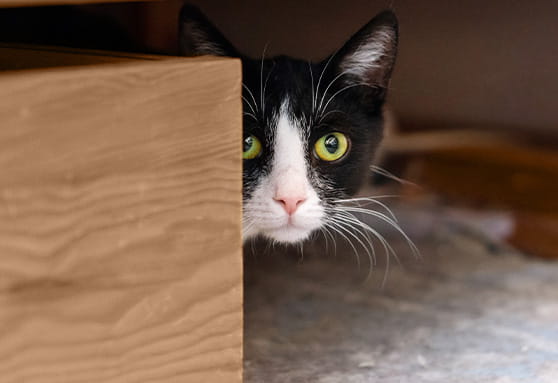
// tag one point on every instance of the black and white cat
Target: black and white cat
(310, 129)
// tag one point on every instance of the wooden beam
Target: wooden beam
(37, 3)
(22, 56)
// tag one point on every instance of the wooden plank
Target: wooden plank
(36, 3)
(20, 56)
(120, 223)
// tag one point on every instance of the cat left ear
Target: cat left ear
(369, 56)
(198, 36)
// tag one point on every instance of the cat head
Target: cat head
(310, 129)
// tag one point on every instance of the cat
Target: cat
(310, 129)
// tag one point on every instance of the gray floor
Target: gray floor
(467, 311)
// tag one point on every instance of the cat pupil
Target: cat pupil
(248, 142)
(331, 143)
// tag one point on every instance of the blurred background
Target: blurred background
(472, 106)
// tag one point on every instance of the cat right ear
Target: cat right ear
(198, 36)
(368, 57)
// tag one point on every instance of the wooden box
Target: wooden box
(120, 218)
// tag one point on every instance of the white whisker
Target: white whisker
(326, 230)
(312, 87)
(261, 81)
(321, 75)
(390, 221)
(327, 88)
(251, 95)
(344, 225)
(337, 93)
(348, 241)
(250, 115)
(369, 200)
(265, 85)
(385, 173)
(370, 251)
(249, 105)
(323, 116)
(388, 249)
(325, 239)
(253, 245)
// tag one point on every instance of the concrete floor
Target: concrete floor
(468, 311)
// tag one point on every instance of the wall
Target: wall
(487, 63)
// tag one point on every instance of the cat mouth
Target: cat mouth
(288, 233)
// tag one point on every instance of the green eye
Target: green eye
(252, 147)
(332, 146)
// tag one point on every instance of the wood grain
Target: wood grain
(120, 220)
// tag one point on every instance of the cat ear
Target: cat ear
(369, 56)
(198, 36)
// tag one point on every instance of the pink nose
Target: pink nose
(290, 203)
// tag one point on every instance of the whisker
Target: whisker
(265, 85)
(348, 240)
(367, 198)
(326, 230)
(327, 88)
(350, 222)
(261, 81)
(388, 249)
(337, 93)
(385, 173)
(248, 103)
(251, 95)
(370, 200)
(325, 239)
(321, 75)
(253, 246)
(322, 117)
(370, 250)
(386, 272)
(312, 87)
(383, 241)
(250, 115)
(343, 226)
(392, 223)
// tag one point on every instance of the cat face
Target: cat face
(310, 129)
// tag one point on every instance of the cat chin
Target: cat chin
(288, 234)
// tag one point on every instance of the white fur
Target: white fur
(288, 176)
(368, 55)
